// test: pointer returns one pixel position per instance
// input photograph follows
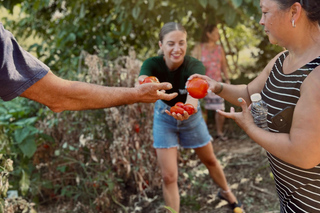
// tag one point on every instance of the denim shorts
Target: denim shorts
(169, 132)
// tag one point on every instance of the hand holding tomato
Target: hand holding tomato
(213, 85)
(197, 88)
(150, 79)
(181, 111)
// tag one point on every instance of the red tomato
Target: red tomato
(137, 128)
(197, 88)
(46, 146)
(177, 110)
(189, 108)
(150, 79)
(179, 104)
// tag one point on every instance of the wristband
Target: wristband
(221, 88)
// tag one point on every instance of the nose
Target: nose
(176, 47)
(261, 22)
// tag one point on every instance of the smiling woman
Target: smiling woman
(179, 128)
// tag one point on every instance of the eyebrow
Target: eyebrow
(174, 41)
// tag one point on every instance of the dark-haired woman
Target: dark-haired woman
(213, 57)
(289, 83)
(173, 130)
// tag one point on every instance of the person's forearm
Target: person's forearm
(83, 96)
(59, 94)
(231, 93)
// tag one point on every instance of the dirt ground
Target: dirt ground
(246, 168)
(247, 171)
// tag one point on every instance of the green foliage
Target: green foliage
(93, 157)
(102, 27)
(20, 137)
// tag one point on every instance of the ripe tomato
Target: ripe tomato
(137, 128)
(150, 79)
(197, 88)
(177, 110)
(189, 108)
(179, 104)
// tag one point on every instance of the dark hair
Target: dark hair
(207, 29)
(312, 8)
(169, 27)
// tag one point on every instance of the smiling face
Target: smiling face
(275, 21)
(174, 46)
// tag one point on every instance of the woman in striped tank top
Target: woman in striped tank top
(291, 79)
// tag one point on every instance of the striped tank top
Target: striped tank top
(298, 189)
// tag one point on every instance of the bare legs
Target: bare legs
(207, 157)
(167, 159)
(219, 123)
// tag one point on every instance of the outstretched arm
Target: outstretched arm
(301, 147)
(60, 95)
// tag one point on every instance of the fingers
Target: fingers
(227, 114)
(243, 104)
(162, 86)
(167, 97)
(178, 116)
(198, 76)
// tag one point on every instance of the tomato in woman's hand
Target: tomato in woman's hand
(189, 108)
(176, 109)
(197, 88)
(150, 79)
(179, 104)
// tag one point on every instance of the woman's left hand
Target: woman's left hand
(244, 119)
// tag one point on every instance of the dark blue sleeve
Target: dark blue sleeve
(18, 69)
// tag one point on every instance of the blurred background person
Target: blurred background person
(212, 55)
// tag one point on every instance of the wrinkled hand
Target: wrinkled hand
(212, 83)
(151, 92)
(244, 119)
(178, 116)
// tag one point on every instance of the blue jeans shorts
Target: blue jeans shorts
(169, 132)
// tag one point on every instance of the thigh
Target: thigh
(206, 153)
(167, 160)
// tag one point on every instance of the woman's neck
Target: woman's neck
(211, 44)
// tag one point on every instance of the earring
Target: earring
(293, 24)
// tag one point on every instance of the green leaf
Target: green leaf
(21, 134)
(126, 27)
(151, 4)
(24, 183)
(26, 121)
(214, 3)
(28, 146)
(135, 12)
(5, 117)
(203, 3)
(237, 3)
(230, 17)
(62, 168)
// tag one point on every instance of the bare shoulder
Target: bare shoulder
(312, 82)
(272, 62)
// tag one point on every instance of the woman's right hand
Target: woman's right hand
(213, 85)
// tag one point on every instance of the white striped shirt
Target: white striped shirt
(298, 189)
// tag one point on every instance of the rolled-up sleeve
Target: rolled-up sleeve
(18, 69)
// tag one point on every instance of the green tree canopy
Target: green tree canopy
(109, 28)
